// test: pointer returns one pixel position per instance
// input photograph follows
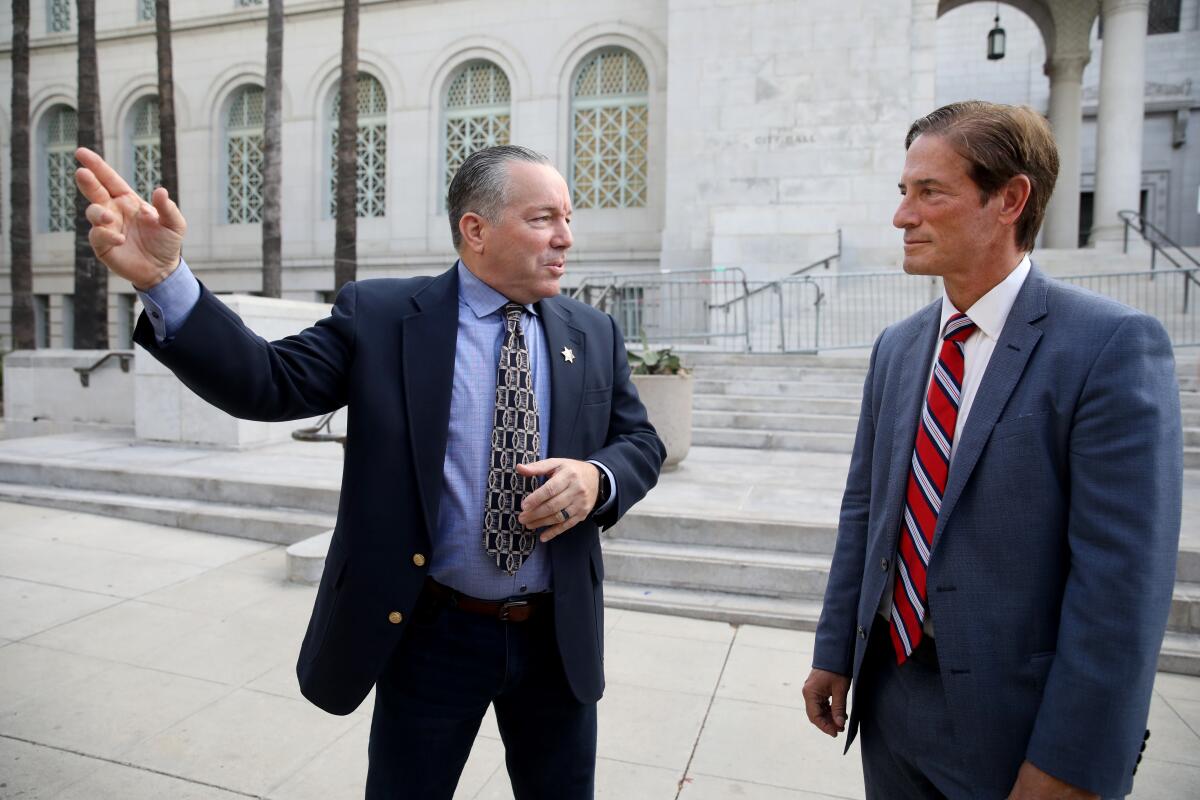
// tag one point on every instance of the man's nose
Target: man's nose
(562, 236)
(905, 217)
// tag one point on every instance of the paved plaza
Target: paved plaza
(140, 661)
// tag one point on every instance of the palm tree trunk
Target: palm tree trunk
(272, 257)
(168, 165)
(91, 277)
(345, 248)
(19, 236)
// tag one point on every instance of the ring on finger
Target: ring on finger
(566, 515)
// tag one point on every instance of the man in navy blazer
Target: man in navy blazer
(1007, 543)
(417, 598)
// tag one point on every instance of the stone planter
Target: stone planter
(668, 401)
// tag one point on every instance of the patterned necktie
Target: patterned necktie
(926, 484)
(515, 440)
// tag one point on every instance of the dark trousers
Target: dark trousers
(449, 667)
(908, 746)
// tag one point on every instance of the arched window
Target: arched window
(477, 113)
(145, 147)
(146, 12)
(243, 156)
(371, 195)
(58, 16)
(609, 136)
(60, 137)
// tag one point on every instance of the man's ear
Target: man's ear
(473, 229)
(1013, 198)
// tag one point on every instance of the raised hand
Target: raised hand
(138, 241)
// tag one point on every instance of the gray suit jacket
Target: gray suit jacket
(1054, 554)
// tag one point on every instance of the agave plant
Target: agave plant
(654, 362)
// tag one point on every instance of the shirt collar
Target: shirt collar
(990, 312)
(483, 299)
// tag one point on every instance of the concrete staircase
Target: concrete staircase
(809, 402)
(774, 573)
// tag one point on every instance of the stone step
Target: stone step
(766, 535)
(712, 358)
(1180, 653)
(798, 389)
(793, 405)
(799, 374)
(1185, 608)
(1191, 437)
(736, 609)
(811, 441)
(146, 481)
(306, 558)
(276, 525)
(1189, 400)
(768, 421)
(767, 573)
(1191, 457)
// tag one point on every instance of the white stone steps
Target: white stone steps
(813, 441)
(798, 389)
(1185, 608)
(739, 570)
(1191, 458)
(807, 405)
(706, 359)
(277, 525)
(712, 530)
(761, 373)
(775, 420)
(736, 609)
(1180, 653)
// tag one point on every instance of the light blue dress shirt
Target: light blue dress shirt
(458, 557)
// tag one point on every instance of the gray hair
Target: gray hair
(481, 184)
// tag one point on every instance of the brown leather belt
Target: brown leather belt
(509, 610)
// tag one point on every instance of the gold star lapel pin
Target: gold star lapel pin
(568, 355)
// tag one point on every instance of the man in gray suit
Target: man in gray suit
(1008, 534)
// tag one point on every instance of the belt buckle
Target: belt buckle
(508, 605)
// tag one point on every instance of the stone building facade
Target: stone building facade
(694, 133)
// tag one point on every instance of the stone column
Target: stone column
(1122, 107)
(1066, 118)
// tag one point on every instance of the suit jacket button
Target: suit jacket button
(883, 565)
(395, 617)
(418, 559)
(862, 632)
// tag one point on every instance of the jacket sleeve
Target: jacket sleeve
(633, 450)
(216, 356)
(836, 629)
(1126, 472)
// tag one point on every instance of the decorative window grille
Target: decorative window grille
(58, 16)
(147, 152)
(370, 149)
(477, 111)
(610, 110)
(1163, 17)
(60, 168)
(146, 12)
(247, 3)
(243, 155)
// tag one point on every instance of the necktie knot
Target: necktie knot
(958, 328)
(513, 311)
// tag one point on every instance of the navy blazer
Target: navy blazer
(387, 353)
(1054, 553)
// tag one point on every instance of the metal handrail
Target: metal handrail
(85, 373)
(1133, 219)
(314, 434)
(826, 261)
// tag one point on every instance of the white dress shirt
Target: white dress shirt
(989, 313)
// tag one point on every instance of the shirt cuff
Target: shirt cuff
(169, 303)
(612, 496)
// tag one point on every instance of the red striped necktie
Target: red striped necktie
(926, 485)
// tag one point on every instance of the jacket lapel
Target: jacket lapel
(566, 377)
(430, 340)
(1004, 370)
(912, 373)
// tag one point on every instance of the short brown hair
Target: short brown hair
(1000, 142)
